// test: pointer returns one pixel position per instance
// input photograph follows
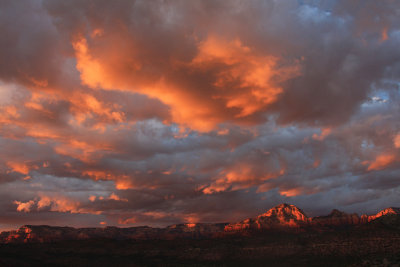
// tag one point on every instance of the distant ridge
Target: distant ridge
(283, 215)
(280, 217)
(384, 212)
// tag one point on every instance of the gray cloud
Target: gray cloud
(161, 112)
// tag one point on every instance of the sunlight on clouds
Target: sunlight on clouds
(53, 203)
(244, 81)
(324, 133)
(115, 197)
(242, 176)
(291, 192)
(251, 74)
(396, 141)
(20, 167)
(91, 70)
(24, 206)
(159, 112)
(381, 162)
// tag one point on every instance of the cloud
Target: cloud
(163, 112)
(324, 133)
(396, 141)
(381, 162)
(24, 206)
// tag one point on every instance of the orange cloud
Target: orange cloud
(40, 118)
(96, 73)
(98, 175)
(25, 206)
(252, 74)
(91, 70)
(59, 204)
(242, 82)
(20, 167)
(113, 196)
(8, 115)
(299, 190)
(85, 105)
(316, 163)
(291, 192)
(242, 176)
(81, 150)
(381, 162)
(53, 203)
(11, 111)
(117, 198)
(396, 141)
(122, 182)
(324, 133)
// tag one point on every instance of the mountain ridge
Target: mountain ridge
(284, 217)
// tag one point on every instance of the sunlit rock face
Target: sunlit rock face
(283, 215)
(384, 212)
(38, 233)
(290, 216)
(336, 218)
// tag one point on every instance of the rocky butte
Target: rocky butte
(283, 217)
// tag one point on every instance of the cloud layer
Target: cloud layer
(138, 112)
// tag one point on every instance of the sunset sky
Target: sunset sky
(133, 113)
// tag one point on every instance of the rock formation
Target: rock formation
(281, 217)
(336, 218)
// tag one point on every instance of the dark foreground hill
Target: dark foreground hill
(283, 236)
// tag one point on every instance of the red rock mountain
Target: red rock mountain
(283, 216)
(384, 212)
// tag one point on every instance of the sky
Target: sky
(128, 113)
